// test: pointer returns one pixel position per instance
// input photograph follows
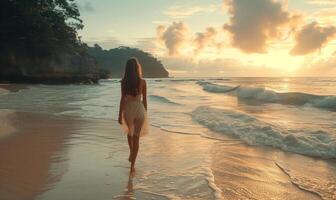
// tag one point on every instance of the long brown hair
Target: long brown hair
(131, 83)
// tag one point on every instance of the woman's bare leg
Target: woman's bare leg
(135, 151)
(135, 145)
(130, 144)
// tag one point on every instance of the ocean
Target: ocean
(290, 115)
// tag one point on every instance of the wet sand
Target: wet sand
(6, 127)
(50, 157)
(11, 87)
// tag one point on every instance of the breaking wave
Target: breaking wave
(162, 99)
(270, 96)
(256, 132)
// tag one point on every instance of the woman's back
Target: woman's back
(133, 98)
(135, 110)
(133, 107)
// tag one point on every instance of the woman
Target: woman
(133, 107)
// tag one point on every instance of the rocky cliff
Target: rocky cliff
(61, 69)
(40, 43)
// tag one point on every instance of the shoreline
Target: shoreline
(6, 127)
(10, 87)
(66, 152)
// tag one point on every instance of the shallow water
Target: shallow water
(295, 115)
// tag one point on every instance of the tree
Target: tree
(114, 61)
(39, 43)
(38, 28)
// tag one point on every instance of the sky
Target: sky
(197, 38)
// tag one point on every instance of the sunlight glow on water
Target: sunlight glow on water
(291, 115)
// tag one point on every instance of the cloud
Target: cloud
(160, 30)
(86, 7)
(176, 37)
(320, 67)
(204, 39)
(147, 44)
(185, 66)
(325, 12)
(326, 65)
(178, 12)
(178, 63)
(253, 23)
(160, 22)
(311, 38)
(322, 2)
(325, 16)
(173, 37)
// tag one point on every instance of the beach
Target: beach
(62, 158)
(73, 151)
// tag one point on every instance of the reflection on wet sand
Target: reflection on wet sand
(52, 158)
(26, 158)
(249, 172)
(129, 193)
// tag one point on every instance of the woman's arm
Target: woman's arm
(121, 105)
(144, 94)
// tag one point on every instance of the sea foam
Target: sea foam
(162, 99)
(269, 96)
(253, 131)
(211, 87)
(305, 178)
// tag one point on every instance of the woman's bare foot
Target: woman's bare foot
(132, 168)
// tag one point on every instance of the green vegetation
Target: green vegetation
(39, 28)
(39, 44)
(113, 61)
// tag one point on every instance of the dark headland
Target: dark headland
(112, 61)
(40, 44)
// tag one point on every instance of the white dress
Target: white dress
(134, 117)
